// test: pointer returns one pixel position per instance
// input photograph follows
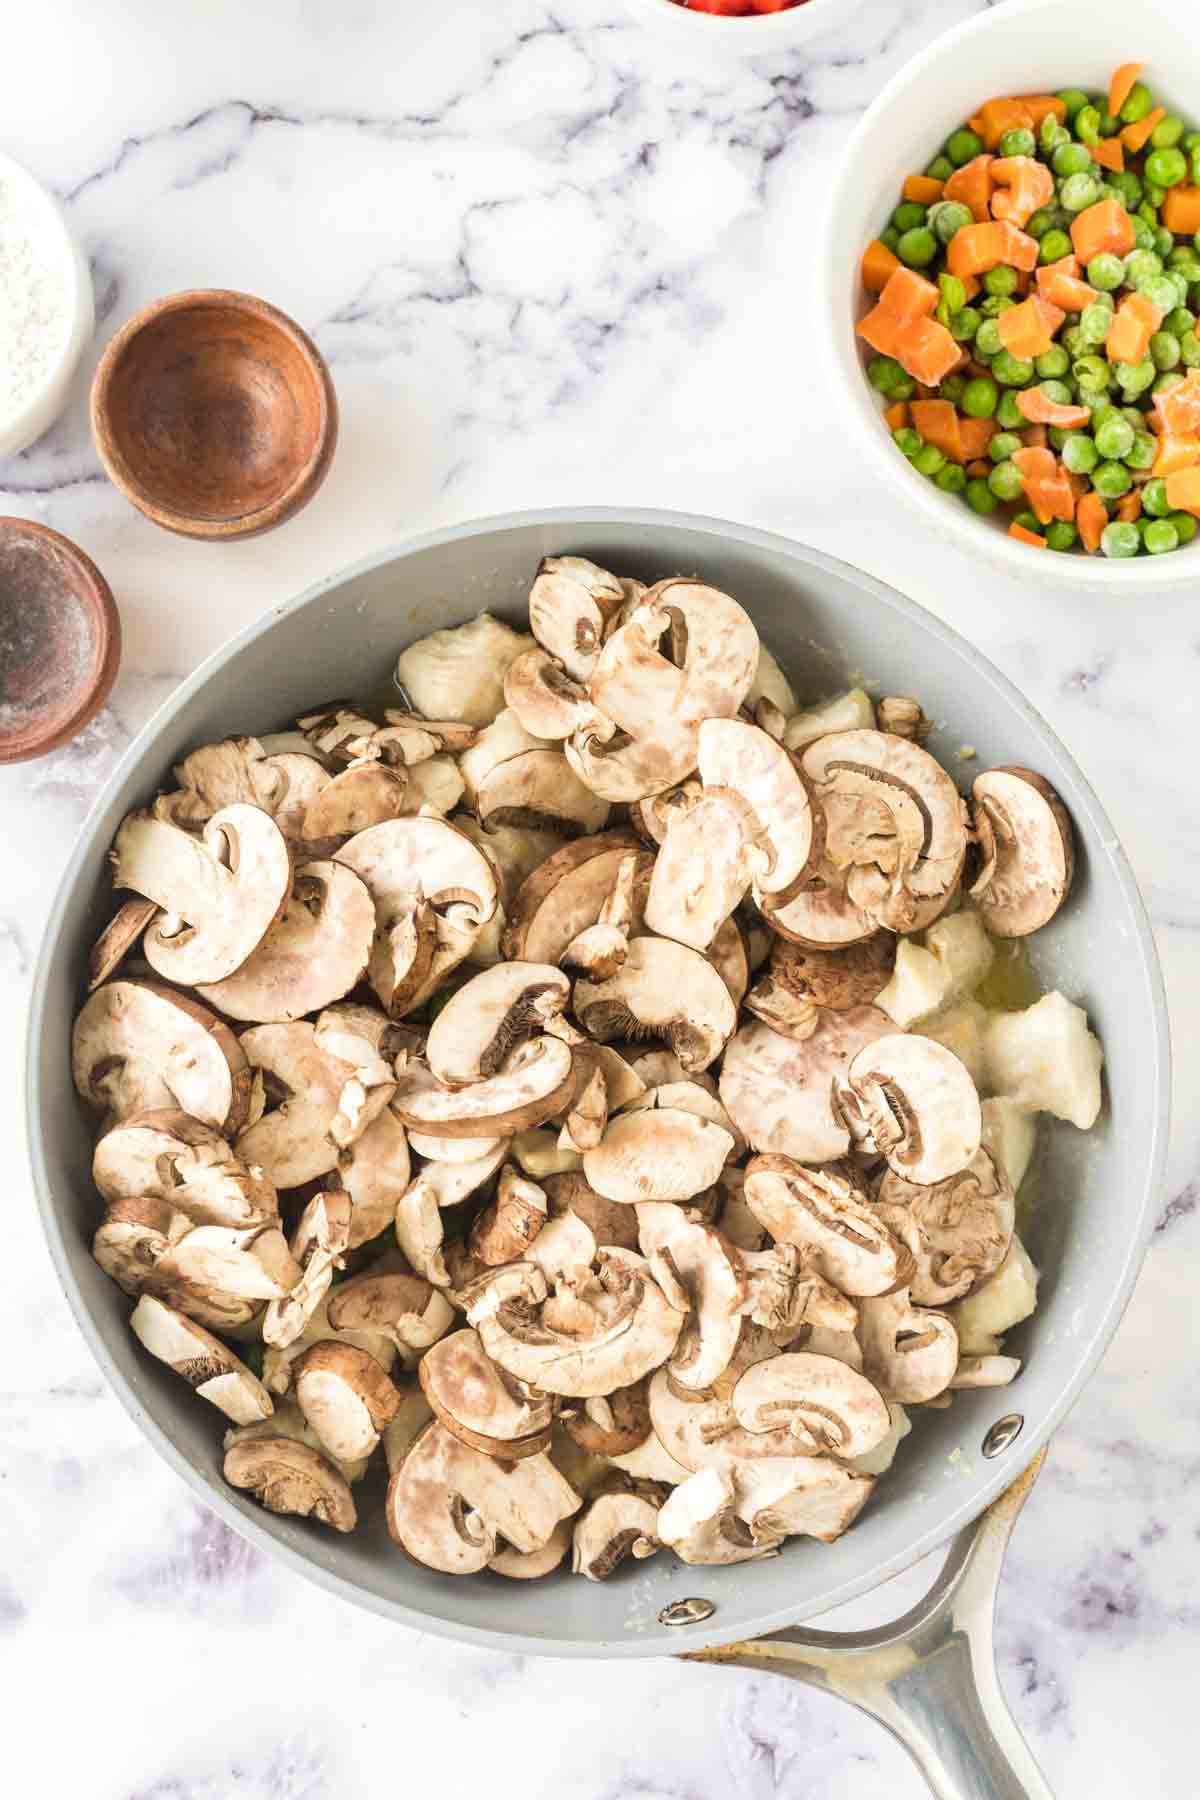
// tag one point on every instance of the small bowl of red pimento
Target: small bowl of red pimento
(748, 27)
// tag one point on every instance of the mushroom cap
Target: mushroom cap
(289, 1477)
(741, 760)
(964, 1227)
(564, 895)
(826, 1214)
(909, 1353)
(345, 1396)
(448, 1504)
(699, 1261)
(480, 1025)
(205, 1363)
(117, 940)
(611, 1425)
(1028, 851)
(170, 1156)
(404, 1307)
(894, 824)
(715, 640)
(315, 952)
(570, 605)
(698, 1095)
(663, 989)
(137, 1046)
(781, 1094)
(222, 890)
(634, 1330)
(365, 794)
(661, 1154)
(613, 1527)
(536, 1084)
(479, 1404)
(820, 914)
(914, 1101)
(292, 1141)
(828, 1408)
(612, 1224)
(539, 788)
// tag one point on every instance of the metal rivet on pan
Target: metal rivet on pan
(687, 1612)
(1004, 1432)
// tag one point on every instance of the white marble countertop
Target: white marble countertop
(551, 261)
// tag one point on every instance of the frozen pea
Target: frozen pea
(1057, 392)
(1139, 264)
(1052, 363)
(1060, 534)
(907, 441)
(963, 146)
(952, 479)
(1144, 452)
(952, 388)
(988, 341)
(1120, 538)
(1185, 525)
(1002, 446)
(1165, 350)
(1005, 481)
(980, 497)
(1154, 498)
(945, 217)
(1189, 349)
(1054, 246)
(917, 247)
(1160, 536)
(1128, 186)
(1138, 103)
(1167, 132)
(1087, 124)
(1011, 370)
(1071, 159)
(1134, 378)
(980, 397)
(941, 168)
(1080, 191)
(1092, 371)
(1080, 453)
(1040, 222)
(1094, 322)
(1020, 141)
(1114, 438)
(908, 214)
(1166, 168)
(1110, 479)
(965, 324)
(994, 304)
(1008, 414)
(1001, 280)
(1181, 320)
(1074, 99)
(954, 294)
(1160, 290)
(1106, 271)
(928, 460)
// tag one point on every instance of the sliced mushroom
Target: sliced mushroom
(514, 852)
(548, 703)
(117, 940)
(449, 1505)
(481, 1025)
(847, 712)
(714, 639)
(793, 1496)
(435, 786)
(826, 1215)
(611, 1425)
(913, 1102)
(536, 1085)
(1028, 851)
(784, 1294)
(216, 1274)
(290, 1477)
(205, 1363)
(565, 895)
(770, 684)
(903, 716)
(292, 1141)
(374, 1171)
(586, 1119)
(345, 1397)
(964, 1227)
(781, 1094)
(601, 949)
(540, 789)
(654, 816)
(910, 1353)
(697, 1095)
(221, 891)
(699, 1522)
(433, 890)
(801, 982)
(663, 1154)
(985, 1371)
(367, 793)
(458, 673)
(315, 952)
(821, 914)
(539, 1154)
(571, 604)
(236, 771)
(503, 1231)
(697, 1261)
(444, 734)
(663, 990)
(479, 1404)
(613, 1527)
(612, 1224)
(319, 1245)
(828, 1408)
(169, 1156)
(529, 1565)
(611, 1334)
(137, 1047)
(710, 855)
(736, 759)
(895, 825)
(401, 1307)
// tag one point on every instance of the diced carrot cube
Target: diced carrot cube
(924, 189)
(1181, 211)
(998, 116)
(972, 185)
(1028, 330)
(1183, 490)
(1129, 507)
(938, 423)
(1059, 283)
(1025, 185)
(896, 417)
(1124, 80)
(1043, 106)
(1033, 405)
(927, 352)
(1104, 226)
(1136, 137)
(1177, 409)
(977, 248)
(1133, 325)
(1109, 153)
(905, 297)
(979, 470)
(1034, 437)
(1175, 453)
(1026, 537)
(878, 264)
(976, 435)
(1091, 516)
(1046, 485)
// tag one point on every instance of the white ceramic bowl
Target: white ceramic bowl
(1024, 46)
(749, 35)
(20, 429)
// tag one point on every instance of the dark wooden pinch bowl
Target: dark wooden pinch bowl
(60, 640)
(215, 414)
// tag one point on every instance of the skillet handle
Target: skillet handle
(931, 1676)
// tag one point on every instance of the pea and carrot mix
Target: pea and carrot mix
(1034, 331)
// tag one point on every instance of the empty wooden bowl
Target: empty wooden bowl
(214, 414)
(60, 640)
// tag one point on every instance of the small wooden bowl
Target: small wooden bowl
(214, 414)
(60, 640)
